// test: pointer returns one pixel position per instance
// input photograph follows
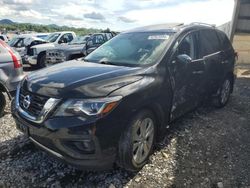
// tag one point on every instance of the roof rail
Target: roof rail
(204, 24)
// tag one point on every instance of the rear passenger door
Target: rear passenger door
(210, 51)
(227, 53)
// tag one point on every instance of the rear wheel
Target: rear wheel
(137, 142)
(2, 104)
(223, 93)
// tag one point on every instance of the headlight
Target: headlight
(88, 107)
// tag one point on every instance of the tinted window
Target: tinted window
(225, 42)
(68, 37)
(186, 46)
(209, 42)
(98, 39)
(20, 43)
(1, 37)
(109, 36)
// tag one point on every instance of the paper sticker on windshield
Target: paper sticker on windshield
(158, 37)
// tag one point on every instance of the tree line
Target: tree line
(22, 27)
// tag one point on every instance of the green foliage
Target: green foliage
(21, 27)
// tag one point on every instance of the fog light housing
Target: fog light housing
(81, 146)
(85, 146)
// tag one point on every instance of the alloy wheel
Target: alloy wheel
(225, 91)
(143, 138)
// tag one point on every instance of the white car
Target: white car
(20, 42)
(37, 54)
(4, 38)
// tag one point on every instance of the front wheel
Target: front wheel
(136, 144)
(42, 61)
(2, 104)
(223, 93)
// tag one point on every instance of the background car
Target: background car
(66, 52)
(4, 38)
(77, 48)
(37, 54)
(11, 73)
(20, 42)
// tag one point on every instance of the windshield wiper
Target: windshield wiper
(106, 63)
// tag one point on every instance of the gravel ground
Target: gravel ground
(206, 148)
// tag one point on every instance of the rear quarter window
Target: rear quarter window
(225, 42)
(209, 42)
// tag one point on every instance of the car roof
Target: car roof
(170, 27)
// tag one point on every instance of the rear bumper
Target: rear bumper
(73, 144)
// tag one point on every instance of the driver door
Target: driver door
(187, 77)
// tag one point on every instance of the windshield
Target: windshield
(79, 40)
(13, 41)
(52, 37)
(131, 49)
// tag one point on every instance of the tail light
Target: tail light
(17, 63)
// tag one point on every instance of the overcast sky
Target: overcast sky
(116, 14)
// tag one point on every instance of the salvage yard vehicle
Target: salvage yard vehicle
(4, 38)
(96, 40)
(11, 73)
(77, 48)
(37, 54)
(66, 52)
(20, 42)
(28, 43)
(114, 105)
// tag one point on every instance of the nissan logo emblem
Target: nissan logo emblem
(26, 102)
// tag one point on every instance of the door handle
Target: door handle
(198, 72)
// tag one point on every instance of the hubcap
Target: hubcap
(143, 139)
(225, 91)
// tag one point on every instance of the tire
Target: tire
(2, 104)
(134, 146)
(42, 61)
(223, 93)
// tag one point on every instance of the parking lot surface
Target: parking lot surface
(206, 148)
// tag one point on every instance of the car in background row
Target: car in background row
(113, 105)
(36, 56)
(66, 52)
(11, 73)
(29, 42)
(77, 48)
(20, 42)
(4, 38)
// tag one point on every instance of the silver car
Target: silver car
(11, 73)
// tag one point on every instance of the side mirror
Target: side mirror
(61, 41)
(183, 59)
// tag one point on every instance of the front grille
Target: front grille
(37, 102)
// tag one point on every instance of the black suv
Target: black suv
(114, 105)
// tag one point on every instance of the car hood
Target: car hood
(80, 79)
(44, 46)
